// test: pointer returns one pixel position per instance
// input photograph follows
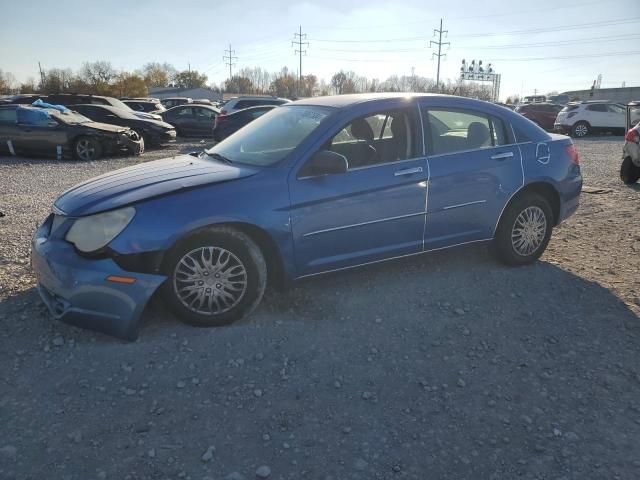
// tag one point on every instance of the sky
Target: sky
(540, 46)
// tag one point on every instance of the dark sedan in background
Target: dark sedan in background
(55, 133)
(153, 132)
(225, 125)
(542, 114)
(192, 120)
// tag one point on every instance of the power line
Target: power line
(439, 43)
(609, 38)
(578, 26)
(297, 40)
(229, 58)
(521, 59)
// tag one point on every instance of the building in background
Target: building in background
(621, 95)
(195, 93)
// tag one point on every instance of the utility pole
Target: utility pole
(41, 75)
(298, 41)
(439, 43)
(229, 58)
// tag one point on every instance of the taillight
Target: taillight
(221, 117)
(572, 151)
(632, 136)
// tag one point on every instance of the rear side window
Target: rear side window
(8, 115)
(452, 131)
(246, 104)
(184, 112)
(570, 108)
(598, 107)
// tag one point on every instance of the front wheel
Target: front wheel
(629, 173)
(524, 230)
(216, 277)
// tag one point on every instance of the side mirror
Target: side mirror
(194, 154)
(324, 162)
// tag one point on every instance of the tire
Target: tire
(527, 211)
(143, 141)
(200, 298)
(580, 129)
(629, 173)
(87, 149)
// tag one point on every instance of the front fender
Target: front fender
(258, 201)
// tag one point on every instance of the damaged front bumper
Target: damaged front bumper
(632, 149)
(132, 142)
(75, 289)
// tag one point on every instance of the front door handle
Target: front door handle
(408, 171)
(502, 156)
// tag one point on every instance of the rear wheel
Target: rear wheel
(524, 230)
(580, 129)
(629, 173)
(216, 277)
(87, 148)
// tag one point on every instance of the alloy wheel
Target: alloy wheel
(528, 231)
(86, 149)
(581, 130)
(210, 280)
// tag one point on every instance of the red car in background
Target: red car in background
(544, 114)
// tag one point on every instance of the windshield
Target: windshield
(273, 136)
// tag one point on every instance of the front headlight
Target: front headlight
(92, 233)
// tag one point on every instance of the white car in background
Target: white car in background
(583, 118)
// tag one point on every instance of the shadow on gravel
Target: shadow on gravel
(444, 366)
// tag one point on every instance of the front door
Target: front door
(474, 169)
(375, 210)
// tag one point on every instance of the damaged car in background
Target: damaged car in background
(56, 131)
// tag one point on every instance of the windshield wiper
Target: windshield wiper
(222, 158)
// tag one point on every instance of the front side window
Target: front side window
(379, 138)
(274, 135)
(614, 108)
(205, 112)
(452, 131)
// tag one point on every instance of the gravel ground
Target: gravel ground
(446, 366)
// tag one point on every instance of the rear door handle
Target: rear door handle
(502, 156)
(408, 171)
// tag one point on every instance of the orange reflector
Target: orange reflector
(116, 279)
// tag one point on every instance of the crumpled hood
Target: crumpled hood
(105, 127)
(146, 180)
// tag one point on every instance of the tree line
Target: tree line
(101, 78)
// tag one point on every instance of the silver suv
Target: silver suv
(239, 103)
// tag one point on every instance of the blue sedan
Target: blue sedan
(313, 186)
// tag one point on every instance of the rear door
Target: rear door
(597, 115)
(184, 120)
(474, 168)
(204, 120)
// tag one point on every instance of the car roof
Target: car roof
(339, 101)
(257, 107)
